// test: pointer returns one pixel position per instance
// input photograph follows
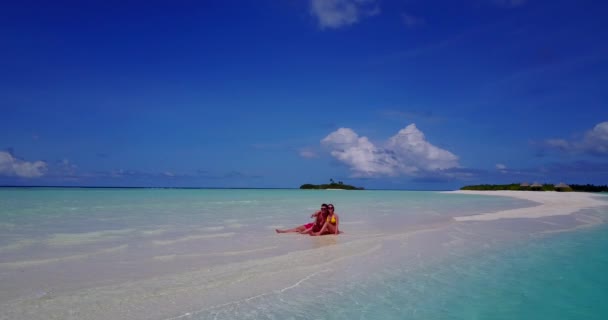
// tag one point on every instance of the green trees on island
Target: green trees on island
(331, 185)
(483, 187)
(538, 187)
(589, 188)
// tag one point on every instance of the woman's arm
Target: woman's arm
(337, 224)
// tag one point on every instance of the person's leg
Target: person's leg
(321, 231)
(331, 229)
(296, 229)
(307, 231)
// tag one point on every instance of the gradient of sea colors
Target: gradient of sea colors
(214, 254)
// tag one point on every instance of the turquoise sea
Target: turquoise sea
(68, 253)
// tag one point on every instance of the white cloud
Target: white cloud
(410, 144)
(558, 144)
(595, 142)
(307, 154)
(501, 168)
(406, 153)
(11, 166)
(340, 13)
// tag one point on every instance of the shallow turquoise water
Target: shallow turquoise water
(40, 212)
(562, 276)
(65, 240)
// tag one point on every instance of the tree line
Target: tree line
(543, 187)
(331, 185)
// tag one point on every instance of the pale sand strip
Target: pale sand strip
(70, 239)
(550, 203)
(193, 237)
(33, 263)
(223, 253)
(17, 245)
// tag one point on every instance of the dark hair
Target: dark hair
(324, 205)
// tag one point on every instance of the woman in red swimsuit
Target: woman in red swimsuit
(309, 227)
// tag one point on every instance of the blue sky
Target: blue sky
(406, 94)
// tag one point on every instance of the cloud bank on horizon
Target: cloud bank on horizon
(406, 153)
(11, 166)
(594, 142)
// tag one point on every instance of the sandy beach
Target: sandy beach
(167, 254)
(550, 203)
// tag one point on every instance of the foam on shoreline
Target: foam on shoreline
(550, 203)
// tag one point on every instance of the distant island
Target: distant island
(538, 187)
(331, 185)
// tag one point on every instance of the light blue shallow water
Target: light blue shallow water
(40, 213)
(559, 277)
(57, 242)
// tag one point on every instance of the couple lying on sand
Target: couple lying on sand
(326, 222)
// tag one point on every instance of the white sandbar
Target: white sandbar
(550, 203)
